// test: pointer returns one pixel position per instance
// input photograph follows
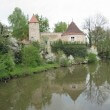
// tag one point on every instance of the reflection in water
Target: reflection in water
(98, 88)
(81, 87)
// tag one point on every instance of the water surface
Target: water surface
(81, 87)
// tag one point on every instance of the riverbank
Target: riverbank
(21, 71)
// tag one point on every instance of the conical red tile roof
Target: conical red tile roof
(73, 30)
(33, 19)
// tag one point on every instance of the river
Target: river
(80, 87)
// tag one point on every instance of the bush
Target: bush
(6, 63)
(18, 57)
(74, 49)
(31, 56)
(36, 44)
(62, 59)
(59, 55)
(92, 58)
(71, 60)
(50, 58)
(4, 48)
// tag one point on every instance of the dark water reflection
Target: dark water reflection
(82, 87)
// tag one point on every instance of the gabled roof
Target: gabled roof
(33, 19)
(73, 30)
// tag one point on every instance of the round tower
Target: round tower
(34, 33)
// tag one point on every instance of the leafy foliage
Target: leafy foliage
(19, 24)
(74, 49)
(103, 45)
(98, 34)
(62, 59)
(6, 62)
(44, 23)
(60, 27)
(92, 58)
(94, 26)
(18, 57)
(31, 56)
(4, 45)
(3, 30)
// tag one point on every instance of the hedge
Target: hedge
(74, 49)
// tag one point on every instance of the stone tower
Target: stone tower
(34, 33)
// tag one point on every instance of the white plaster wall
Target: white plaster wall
(77, 38)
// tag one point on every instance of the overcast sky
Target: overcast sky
(57, 10)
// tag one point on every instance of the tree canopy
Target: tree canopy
(43, 23)
(60, 27)
(95, 27)
(3, 30)
(19, 24)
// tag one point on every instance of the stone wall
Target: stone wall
(51, 36)
(34, 34)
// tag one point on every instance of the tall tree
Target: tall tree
(94, 25)
(3, 30)
(88, 25)
(43, 23)
(4, 48)
(60, 27)
(98, 34)
(19, 24)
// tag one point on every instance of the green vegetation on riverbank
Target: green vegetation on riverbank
(17, 59)
(24, 71)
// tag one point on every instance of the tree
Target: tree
(92, 24)
(103, 46)
(60, 27)
(88, 25)
(19, 24)
(98, 34)
(43, 23)
(3, 30)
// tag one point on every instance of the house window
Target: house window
(72, 38)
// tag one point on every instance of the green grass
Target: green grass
(23, 71)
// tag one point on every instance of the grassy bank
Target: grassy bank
(21, 71)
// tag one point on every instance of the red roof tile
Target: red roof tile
(33, 19)
(73, 30)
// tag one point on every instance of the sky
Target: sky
(57, 10)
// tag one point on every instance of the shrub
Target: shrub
(31, 56)
(74, 49)
(92, 58)
(4, 45)
(62, 59)
(36, 44)
(18, 57)
(59, 55)
(71, 60)
(50, 58)
(6, 63)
